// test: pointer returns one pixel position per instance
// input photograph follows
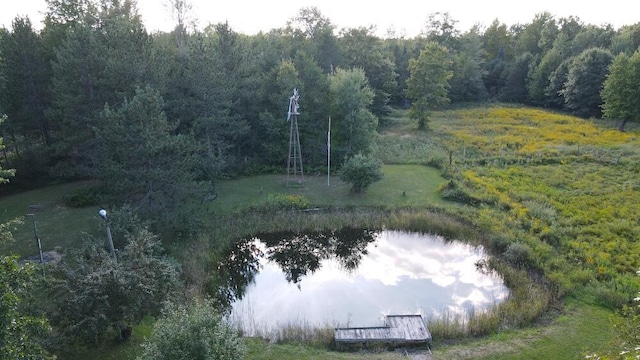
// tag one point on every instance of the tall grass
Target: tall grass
(527, 302)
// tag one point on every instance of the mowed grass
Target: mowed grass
(57, 225)
(582, 329)
(62, 227)
(402, 186)
(258, 349)
(113, 349)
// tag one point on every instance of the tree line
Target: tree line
(157, 116)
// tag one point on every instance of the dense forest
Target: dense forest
(94, 95)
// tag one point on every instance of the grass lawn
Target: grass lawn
(418, 183)
(113, 350)
(582, 329)
(57, 225)
(259, 350)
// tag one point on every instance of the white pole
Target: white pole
(329, 153)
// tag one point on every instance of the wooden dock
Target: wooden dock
(398, 330)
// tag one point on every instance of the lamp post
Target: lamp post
(103, 214)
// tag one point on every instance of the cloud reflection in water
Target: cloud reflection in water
(399, 273)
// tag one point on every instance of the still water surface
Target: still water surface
(353, 277)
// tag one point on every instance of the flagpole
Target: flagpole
(329, 153)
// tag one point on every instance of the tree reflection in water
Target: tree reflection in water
(297, 254)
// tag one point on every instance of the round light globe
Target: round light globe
(103, 213)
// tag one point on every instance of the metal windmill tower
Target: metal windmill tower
(295, 174)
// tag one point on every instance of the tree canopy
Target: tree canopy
(428, 85)
(621, 93)
(224, 91)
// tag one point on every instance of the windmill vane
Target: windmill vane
(293, 104)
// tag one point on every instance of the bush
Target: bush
(275, 202)
(518, 254)
(360, 171)
(193, 332)
(451, 190)
(93, 297)
(81, 197)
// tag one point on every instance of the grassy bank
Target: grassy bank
(579, 330)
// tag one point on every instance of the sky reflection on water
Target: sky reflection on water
(401, 273)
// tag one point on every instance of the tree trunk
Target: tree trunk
(15, 143)
(624, 122)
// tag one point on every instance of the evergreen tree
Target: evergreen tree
(95, 65)
(28, 80)
(94, 297)
(315, 108)
(272, 130)
(141, 160)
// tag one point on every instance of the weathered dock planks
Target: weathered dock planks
(411, 328)
(398, 329)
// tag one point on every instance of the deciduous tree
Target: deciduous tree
(621, 91)
(354, 126)
(362, 49)
(360, 171)
(428, 85)
(585, 78)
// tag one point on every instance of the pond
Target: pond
(353, 277)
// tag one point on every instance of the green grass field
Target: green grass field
(402, 185)
(58, 226)
(580, 330)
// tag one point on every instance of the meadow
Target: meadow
(563, 188)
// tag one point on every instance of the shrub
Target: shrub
(93, 296)
(451, 190)
(360, 171)
(275, 202)
(518, 254)
(196, 331)
(81, 197)
(19, 332)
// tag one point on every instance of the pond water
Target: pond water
(353, 277)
